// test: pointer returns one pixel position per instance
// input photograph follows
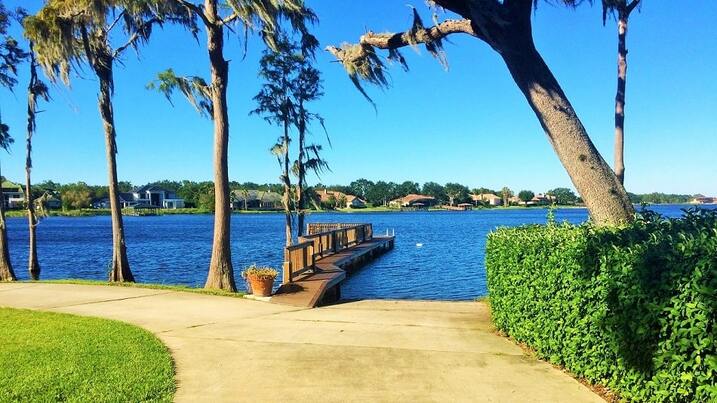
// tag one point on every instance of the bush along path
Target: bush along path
(633, 308)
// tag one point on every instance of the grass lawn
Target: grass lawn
(59, 357)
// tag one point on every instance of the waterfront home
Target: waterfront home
(542, 199)
(155, 196)
(255, 200)
(334, 198)
(126, 200)
(487, 198)
(13, 195)
(355, 202)
(414, 201)
(704, 200)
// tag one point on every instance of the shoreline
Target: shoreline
(193, 211)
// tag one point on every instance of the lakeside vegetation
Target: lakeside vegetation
(77, 198)
(59, 357)
(152, 286)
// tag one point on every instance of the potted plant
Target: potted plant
(261, 279)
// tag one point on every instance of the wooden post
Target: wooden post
(287, 272)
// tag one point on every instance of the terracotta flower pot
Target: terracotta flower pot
(261, 286)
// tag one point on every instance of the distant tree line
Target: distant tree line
(200, 194)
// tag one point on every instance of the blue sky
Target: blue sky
(469, 124)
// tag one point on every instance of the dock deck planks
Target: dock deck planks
(307, 290)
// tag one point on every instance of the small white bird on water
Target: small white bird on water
(419, 245)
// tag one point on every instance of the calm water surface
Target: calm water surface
(438, 255)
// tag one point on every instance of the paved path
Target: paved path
(232, 349)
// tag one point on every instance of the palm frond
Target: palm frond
(195, 90)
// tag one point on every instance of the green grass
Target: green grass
(168, 287)
(58, 357)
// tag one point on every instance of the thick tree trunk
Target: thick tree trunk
(620, 96)
(119, 269)
(221, 271)
(287, 187)
(302, 173)
(6, 272)
(604, 195)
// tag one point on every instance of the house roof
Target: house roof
(351, 198)
(413, 199)
(484, 196)
(326, 194)
(11, 186)
(259, 195)
(149, 187)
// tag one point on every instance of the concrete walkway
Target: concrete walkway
(232, 349)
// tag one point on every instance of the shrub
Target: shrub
(633, 308)
(263, 273)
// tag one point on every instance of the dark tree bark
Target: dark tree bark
(103, 65)
(221, 271)
(6, 272)
(623, 10)
(300, 196)
(287, 185)
(33, 266)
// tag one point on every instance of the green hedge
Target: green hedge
(634, 309)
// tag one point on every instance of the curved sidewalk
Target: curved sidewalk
(232, 349)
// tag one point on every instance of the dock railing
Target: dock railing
(323, 240)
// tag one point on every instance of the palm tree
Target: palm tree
(36, 89)
(211, 98)
(10, 56)
(68, 34)
(622, 10)
(307, 88)
(279, 69)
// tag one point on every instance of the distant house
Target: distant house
(126, 200)
(542, 199)
(414, 201)
(154, 196)
(13, 195)
(352, 201)
(255, 200)
(704, 200)
(355, 202)
(487, 198)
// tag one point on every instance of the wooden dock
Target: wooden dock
(315, 267)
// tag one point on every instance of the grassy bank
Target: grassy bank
(167, 287)
(58, 357)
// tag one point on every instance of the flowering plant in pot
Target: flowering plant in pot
(261, 279)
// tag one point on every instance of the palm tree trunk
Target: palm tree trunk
(604, 195)
(287, 186)
(119, 270)
(221, 271)
(6, 272)
(33, 265)
(620, 96)
(302, 172)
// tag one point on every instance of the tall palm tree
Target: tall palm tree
(68, 34)
(11, 55)
(307, 88)
(274, 101)
(622, 10)
(210, 98)
(35, 89)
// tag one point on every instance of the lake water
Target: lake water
(175, 249)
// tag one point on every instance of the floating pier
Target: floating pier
(315, 267)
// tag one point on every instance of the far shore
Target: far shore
(194, 211)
